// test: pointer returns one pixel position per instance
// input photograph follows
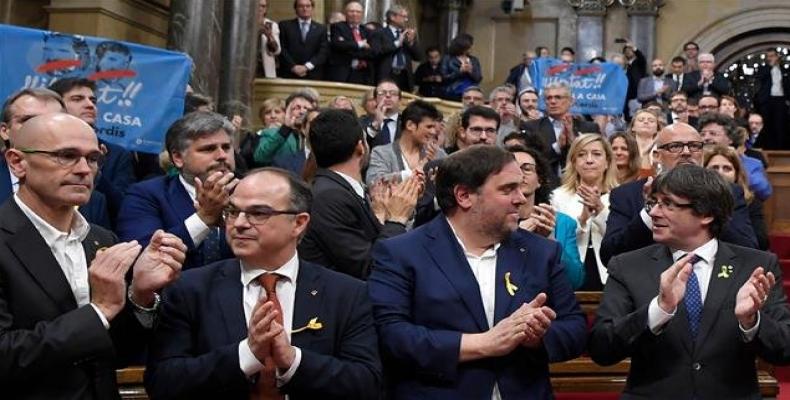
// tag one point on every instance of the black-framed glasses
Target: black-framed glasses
(479, 130)
(677, 147)
(255, 216)
(70, 157)
(665, 204)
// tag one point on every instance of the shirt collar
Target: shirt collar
(289, 270)
(355, 184)
(191, 191)
(79, 226)
(706, 252)
(302, 21)
(490, 252)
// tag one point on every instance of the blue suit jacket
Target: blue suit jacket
(95, 211)
(425, 297)
(194, 353)
(161, 203)
(116, 175)
(625, 230)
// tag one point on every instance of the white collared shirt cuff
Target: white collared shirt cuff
(656, 317)
(749, 334)
(248, 363)
(198, 230)
(309, 66)
(556, 147)
(405, 175)
(286, 377)
(371, 132)
(646, 219)
(104, 320)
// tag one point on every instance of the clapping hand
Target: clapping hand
(752, 296)
(159, 265)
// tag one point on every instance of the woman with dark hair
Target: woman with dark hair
(626, 157)
(538, 217)
(725, 161)
(460, 69)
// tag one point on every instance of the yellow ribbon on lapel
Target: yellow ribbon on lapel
(726, 270)
(312, 325)
(511, 288)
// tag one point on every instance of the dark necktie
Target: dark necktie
(266, 387)
(693, 300)
(400, 59)
(212, 246)
(385, 130)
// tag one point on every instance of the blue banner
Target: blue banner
(597, 88)
(139, 89)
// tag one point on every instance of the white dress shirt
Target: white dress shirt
(268, 58)
(286, 295)
(392, 125)
(355, 184)
(484, 269)
(776, 82)
(14, 181)
(198, 230)
(657, 317)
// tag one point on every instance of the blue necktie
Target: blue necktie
(212, 250)
(385, 130)
(693, 300)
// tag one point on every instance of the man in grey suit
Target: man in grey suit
(656, 87)
(692, 312)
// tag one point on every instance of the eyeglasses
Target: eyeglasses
(665, 204)
(392, 93)
(478, 130)
(528, 168)
(257, 216)
(550, 98)
(70, 157)
(677, 147)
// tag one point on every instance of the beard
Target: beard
(658, 72)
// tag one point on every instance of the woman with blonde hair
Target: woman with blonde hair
(726, 161)
(644, 128)
(272, 113)
(590, 174)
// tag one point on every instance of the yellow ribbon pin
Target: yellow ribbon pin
(726, 270)
(511, 288)
(313, 325)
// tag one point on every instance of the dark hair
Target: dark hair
(711, 95)
(38, 93)
(193, 101)
(432, 48)
(334, 134)
(542, 169)
(64, 85)
(115, 47)
(78, 43)
(596, 60)
(373, 25)
(568, 49)
(679, 93)
(479, 111)
(730, 128)
(696, 46)
(299, 95)
(470, 168)
(460, 44)
(416, 111)
(515, 135)
(692, 101)
(539, 48)
(705, 190)
(678, 59)
(312, 3)
(301, 198)
(634, 158)
(386, 80)
(193, 126)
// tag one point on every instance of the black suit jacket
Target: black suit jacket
(625, 230)
(344, 49)
(296, 51)
(384, 40)
(719, 86)
(342, 227)
(194, 353)
(686, 84)
(49, 347)
(719, 364)
(764, 83)
(545, 130)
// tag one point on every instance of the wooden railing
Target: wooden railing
(777, 208)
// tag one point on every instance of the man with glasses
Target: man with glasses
(20, 107)
(692, 311)
(69, 316)
(558, 128)
(629, 225)
(266, 324)
(188, 204)
(385, 127)
(678, 109)
(479, 125)
(708, 104)
(706, 79)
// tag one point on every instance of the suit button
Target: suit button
(696, 366)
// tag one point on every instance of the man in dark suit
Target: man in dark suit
(706, 80)
(692, 311)
(655, 87)
(268, 324)
(384, 127)
(397, 47)
(20, 107)
(519, 75)
(352, 55)
(678, 76)
(68, 318)
(117, 172)
(635, 70)
(304, 48)
(678, 109)
(558, 129)
(189, 204)
(629, 225)
(344, 225)
(468, 306)
(771, 101)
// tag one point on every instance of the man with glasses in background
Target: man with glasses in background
(629, 225)
(384, 127)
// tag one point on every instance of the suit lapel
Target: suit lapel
(229, 295)
(719, 288)
(181, 201)
(662, 259)
(510, 259)
(307, 303)
(33, 253)
(329, 174)
(449, 257)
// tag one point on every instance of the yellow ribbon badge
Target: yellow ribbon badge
(313, 325)
(726, 270)
(511, 288)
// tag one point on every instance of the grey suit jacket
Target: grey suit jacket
(387, 161)
(647, 92)
(669, 365)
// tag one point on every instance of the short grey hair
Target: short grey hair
(501, 89)
(394, 10)
(558, 85)
(193, 126)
